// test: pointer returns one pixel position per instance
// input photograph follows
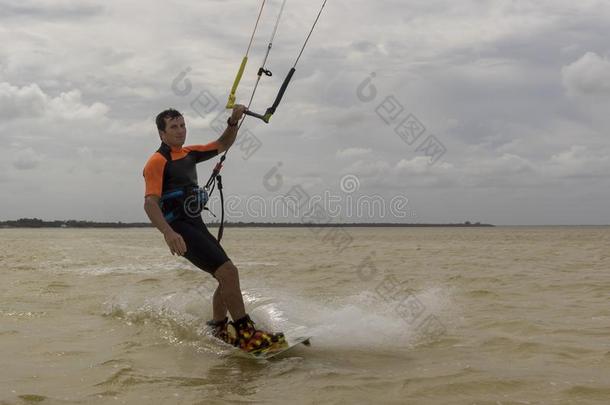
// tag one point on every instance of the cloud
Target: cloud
(69, 106)
(59, 10)
(508, 169)
(578, 162)
(406, 172)
(589, 75)
(16, 102)
(352, 152)
(31, 102)
(368, 168)
(26, 159)
(420, 165)
(502, 166)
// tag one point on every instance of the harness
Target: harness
(189, 201)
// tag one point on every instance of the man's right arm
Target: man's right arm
(174, 241)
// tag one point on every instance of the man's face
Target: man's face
(175, 132)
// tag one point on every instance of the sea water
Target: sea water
(506, 315)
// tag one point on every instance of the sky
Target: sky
(399, 111)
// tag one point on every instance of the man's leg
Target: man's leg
(243, 334)
(230, 291)
(218, 306)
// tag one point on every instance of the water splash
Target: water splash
(363, 321)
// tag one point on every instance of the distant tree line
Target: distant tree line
(39, 223)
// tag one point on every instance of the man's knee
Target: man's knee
(226, 273)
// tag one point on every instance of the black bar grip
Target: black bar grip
(255, 115)
(280, 94)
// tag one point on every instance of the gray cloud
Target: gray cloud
(26, 159)
(59, 10)
(31, 102)
(589, 75)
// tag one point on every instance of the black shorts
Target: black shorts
(202, 248)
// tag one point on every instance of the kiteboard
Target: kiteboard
(270, 317)
(290, 343)
(294, 335)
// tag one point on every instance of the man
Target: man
(171, 188)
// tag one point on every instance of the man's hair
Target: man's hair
(169, 113)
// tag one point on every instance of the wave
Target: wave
(363, 321)
(135, 268)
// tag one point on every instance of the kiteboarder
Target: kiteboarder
(174, 201)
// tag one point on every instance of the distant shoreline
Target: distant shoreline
(38, 223)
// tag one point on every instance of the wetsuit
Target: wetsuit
(173, 169)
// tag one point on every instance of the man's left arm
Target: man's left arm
(228, 136)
